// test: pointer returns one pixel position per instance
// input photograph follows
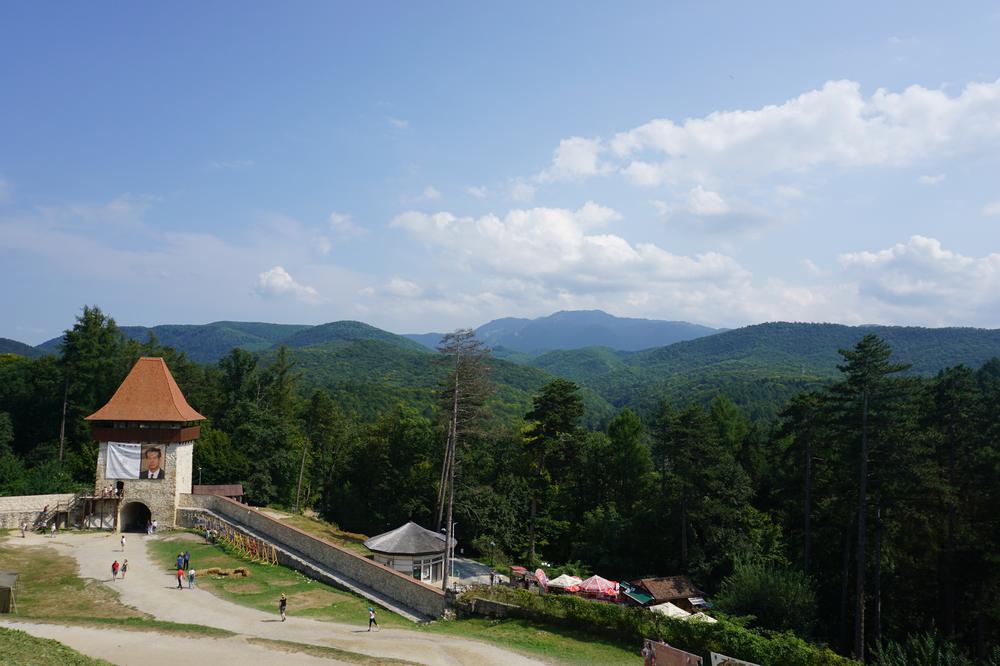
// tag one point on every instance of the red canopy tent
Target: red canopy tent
(598, 586)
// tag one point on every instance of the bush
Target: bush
(776, 598)
(630, 625)
(930, 649)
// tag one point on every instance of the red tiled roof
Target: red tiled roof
(149, 393)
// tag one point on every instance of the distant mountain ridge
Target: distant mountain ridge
(577, 329)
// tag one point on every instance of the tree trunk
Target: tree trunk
(807, 508)
(448, 549)
(949, 549)
(443, 484)
(684, 532)
(302, 471)
(531, 531)
(862, 545)
(877, 574)
(845, 586)
(62, 423)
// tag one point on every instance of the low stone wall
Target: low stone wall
(17, 509)
(405, 589)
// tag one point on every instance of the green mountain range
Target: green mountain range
(759, 366)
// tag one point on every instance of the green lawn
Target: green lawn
(23, 649)
(309, 598)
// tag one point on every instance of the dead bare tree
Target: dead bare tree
(463, 395)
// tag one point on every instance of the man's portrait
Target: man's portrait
(151, 466)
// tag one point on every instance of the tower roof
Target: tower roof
(149, 393)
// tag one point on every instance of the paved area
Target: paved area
(152, 589)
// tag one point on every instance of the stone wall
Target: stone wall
(160, 495)
(404, 589)
(20, 508)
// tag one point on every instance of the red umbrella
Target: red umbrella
(598, 585)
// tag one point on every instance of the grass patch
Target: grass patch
(50, 590)
(329, 652)
(328, 532)
(554, 644)
(315, 600)
(306, 597)
(23, 649)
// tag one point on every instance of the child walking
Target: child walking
(114, 570)
(124, 569)
(282, 605)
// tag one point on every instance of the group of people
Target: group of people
(184, 565)
(117, 568)
(151, 526)
(110, 491)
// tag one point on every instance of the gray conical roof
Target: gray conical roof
(410, 539)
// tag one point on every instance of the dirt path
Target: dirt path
(152, 589)
(141, 648)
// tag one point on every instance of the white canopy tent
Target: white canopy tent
(670, 610)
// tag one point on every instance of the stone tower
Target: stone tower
(146, 433)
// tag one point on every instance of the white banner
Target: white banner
(123, 461)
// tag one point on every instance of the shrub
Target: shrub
(929, 649)
(630, 625)
(777, 598)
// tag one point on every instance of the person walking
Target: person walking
(180, 560)
(187, 559)
(124, 569)
(114, 570)
(191, 573)
(52, 532)
(371, 619)
(154, 525)
(123, 543)
(282, 606)
(180, 577)
(24, 529)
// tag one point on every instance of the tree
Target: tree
(463, 395)
(865, 386)
(553, 429)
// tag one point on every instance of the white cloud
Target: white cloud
(575, 157)
(277, 283)
(429, 194)
(403, 288)
(932, 180)
(343, 224)
(835, 125)
(705, 202)
(398, 123)
(478, 192)
(992, 208)
(921, 281)
(521, 191)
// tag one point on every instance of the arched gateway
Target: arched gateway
(135, 516)
(146, 433)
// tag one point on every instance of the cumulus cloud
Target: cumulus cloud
(932, 180)
(575, 157)
(277, 283)
(836, 125)
(343, 224)
(429, 194)
(922, 281)
(521, 191)
(403, 288)
(705, 202)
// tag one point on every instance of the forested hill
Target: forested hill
(577, 329)
(8, 346)
(759, 366)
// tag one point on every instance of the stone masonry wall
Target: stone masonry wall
(20, 508)
(161, 496)
(403, 588)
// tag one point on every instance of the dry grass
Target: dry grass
(329, 653)
(328, 532)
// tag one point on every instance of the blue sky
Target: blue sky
(428, 166)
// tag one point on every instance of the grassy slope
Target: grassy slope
(309, 598)
(23, 649)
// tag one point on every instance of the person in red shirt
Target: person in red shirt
(180, 577)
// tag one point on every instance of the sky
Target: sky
(430, 166)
